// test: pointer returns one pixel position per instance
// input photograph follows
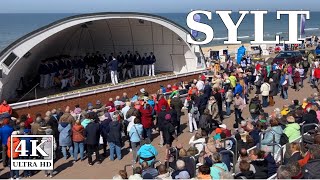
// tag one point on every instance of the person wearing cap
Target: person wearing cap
(292, 129)
(152, 61)
(225, 130)
(113, 66)
(5, 132)
(14, 155)
(47, 148)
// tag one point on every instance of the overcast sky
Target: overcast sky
(150, 6)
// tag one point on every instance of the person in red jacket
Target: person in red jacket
(316, 75)
(162, 102)
(296, 80)
(146, 120)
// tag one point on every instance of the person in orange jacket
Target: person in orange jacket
(14, 155)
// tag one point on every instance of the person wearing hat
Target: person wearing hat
(292, 129)
(46, 146)
(14, 155)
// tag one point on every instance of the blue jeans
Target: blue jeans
(78, 146)
(113, 147)
(265, 101)
(147, 133)
(228, 111)
(285, 94)
(64, 151)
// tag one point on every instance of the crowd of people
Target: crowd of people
(255, 140)
(65, 71)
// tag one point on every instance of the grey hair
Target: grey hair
(180, 164)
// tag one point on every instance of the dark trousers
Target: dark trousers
(238, 115)
(178, 125)
(4, 155)
(92, 148)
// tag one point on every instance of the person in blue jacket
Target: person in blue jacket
(113, 66)
(27, 173)
(5, 132)
(147, 152)
(136, 137)
(238, 89)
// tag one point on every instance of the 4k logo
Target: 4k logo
(39, 157)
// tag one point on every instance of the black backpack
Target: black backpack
(283, 139)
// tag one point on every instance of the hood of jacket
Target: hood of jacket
(64, 124)
(277, 129)
(295, 126)
(78, 127)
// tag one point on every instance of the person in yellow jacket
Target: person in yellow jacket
(233, 80)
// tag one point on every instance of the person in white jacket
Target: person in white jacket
(198, 141)
(46, 146)
(265, 89)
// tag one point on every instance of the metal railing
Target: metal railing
(234, 161)
(308, 125)
(35, 92)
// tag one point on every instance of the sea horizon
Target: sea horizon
(15, 25)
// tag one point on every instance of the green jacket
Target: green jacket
(292, 130)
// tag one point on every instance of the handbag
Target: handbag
(142, 140)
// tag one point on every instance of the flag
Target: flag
(302, 24)
(196, 18)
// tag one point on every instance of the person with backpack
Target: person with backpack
(255, 107)
(193, 113)
(218, 169)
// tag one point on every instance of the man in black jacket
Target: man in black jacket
(177, 105)
(311, 169)
(114, 138)
(217, 95)
(92, 134)
(203, 101)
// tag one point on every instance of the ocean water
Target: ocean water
(14, 26)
